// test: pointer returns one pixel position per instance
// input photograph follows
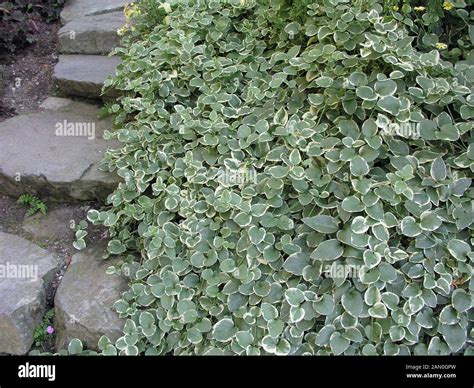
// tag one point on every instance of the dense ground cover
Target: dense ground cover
(297, 178)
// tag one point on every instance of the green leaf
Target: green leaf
(316, 99)
(259, 209)
(366, 93)
(378, 310)
(109, 350)
(261, 126)
(352, 204)
(386, 87)
(390, 104)
(269, 312)
(294, 296)
(269, 344)
(430, 221)
(397, 333)
(79, 244)
(415, 304)
(295, 157)
(256, 235)
(350, 106)
(243, 219)
(328, 250)
(459, 249)
(322, 223)
(283, 348)
(275, 328)
(338, 343)
(223, 330)
(353, 302)
(147, 319)
(270, 254)
(359, 166)
(455, 336)
(75, 347)
(324, 335)
(262, 289)
(438, 169)
(448, 315)
(296, 262)
(324, 81)
(358, 79)
(115, 247)
(371, 259)
(409, 227)
(131, 350)
(462, 301)
(281, 117)
(296, 314)
(359, 225)
(425, 83)
(369, 350)
(324, 305)
(279, 172)
(244, 338)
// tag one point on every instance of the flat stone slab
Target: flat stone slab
(95, 34)
(84, 300)
(77, 8)
(84, 75)
(26, 272)
(55, 153)
(54, 225)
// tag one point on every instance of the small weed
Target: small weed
(35, 204)
(105, 111)
(44, 330)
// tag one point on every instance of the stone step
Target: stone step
(84, 300)
(26, 272)
(77, 8)
(95, 35)
(55, 153)
(84, 75)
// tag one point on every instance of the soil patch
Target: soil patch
(27, 73)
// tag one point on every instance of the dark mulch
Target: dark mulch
(27, 73)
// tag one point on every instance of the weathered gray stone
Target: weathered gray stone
(36, 159)
(84, 300)
(23, 298)
(54, 225)
(77, 8)
(96, 34)
(2, 80)
(84, 75)
(55, 103)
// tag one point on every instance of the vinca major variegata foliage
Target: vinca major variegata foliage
(296, 181)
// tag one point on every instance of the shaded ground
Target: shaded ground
(27, 74)
(51, 231)
(38, 228)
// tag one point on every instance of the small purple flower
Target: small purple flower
(50, 330)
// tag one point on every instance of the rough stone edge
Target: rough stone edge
(77, 191)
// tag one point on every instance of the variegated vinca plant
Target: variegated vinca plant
(259, 160)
